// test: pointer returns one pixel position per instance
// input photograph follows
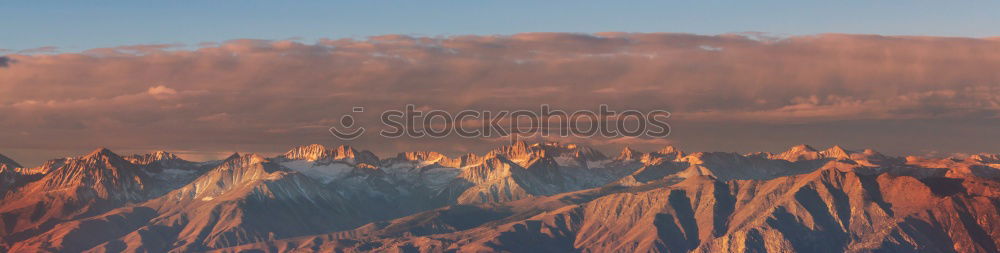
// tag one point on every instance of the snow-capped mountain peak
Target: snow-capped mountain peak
(107, 173)
(150, 158)
(320, 153)
(798, 152)
(837, 152)
(101, 152)
(628, 154)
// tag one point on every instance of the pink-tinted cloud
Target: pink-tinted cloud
(257, 94)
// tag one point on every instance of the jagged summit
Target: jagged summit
(318, 152)
(6, 162)
(668, 150)
(837, 152)
(868, 157)
(421, 156)
(101, 152)
(985, 158)
(522, 151)
(801, 148)
(100, 176)
(519, 149)
(164, 155)
(837, 147)
(799, 152)
(310, 152)
(628, 153)
(101, 159)
(234, 172)
(236, 159)
(154, 157)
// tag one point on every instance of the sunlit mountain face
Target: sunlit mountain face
(522, 197)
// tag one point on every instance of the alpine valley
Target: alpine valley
(541, 197)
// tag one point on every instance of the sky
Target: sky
(205, 79)
(79, 25)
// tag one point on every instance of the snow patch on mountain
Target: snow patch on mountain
(324, 173)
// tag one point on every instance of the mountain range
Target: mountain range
(540, 197)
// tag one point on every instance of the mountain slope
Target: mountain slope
(521, 197)
(383, 192)
(841, 205)
(74, 188)
(245, 199)
(520, 171)
(418, 181)
(13, 176)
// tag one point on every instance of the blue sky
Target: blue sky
(79, 25)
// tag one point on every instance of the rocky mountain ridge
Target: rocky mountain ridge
(549, 196)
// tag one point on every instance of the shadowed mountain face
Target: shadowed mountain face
(7, 163)
(12, 175)
(544, 197)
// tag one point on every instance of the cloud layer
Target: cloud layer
(253, 95)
